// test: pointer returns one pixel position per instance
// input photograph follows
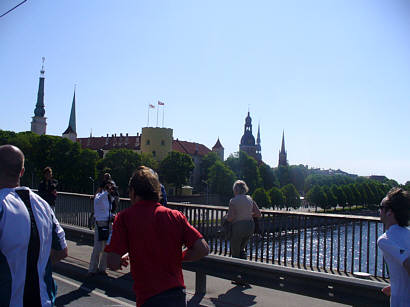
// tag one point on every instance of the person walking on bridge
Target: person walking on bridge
(153, 236)
(31, 239)
(395, 245)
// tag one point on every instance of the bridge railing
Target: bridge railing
(333, 243)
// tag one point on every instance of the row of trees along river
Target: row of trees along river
(76, 169)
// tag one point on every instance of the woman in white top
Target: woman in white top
(242, 210)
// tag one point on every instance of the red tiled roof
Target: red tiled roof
(190, 148)
(133, 142)
(110, 142)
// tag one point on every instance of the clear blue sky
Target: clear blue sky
(334, 75)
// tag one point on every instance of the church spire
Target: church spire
(38, 124)
(283, 142)
(71, 131)
(258, 137)
(283, 161)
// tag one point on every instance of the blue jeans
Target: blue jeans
(174, 297)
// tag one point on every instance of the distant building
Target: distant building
(71, 131)
(219, 149)
(283, 156)
(156, 141)
(38, 123)
(248, 144)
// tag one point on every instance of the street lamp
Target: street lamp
(93, 184)
(207, 193)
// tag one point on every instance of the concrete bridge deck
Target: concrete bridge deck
(219, 292)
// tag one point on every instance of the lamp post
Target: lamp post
(93, 184)
(207, 192)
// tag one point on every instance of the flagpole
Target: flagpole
(148, 117)
(157, 115)
(163, 106)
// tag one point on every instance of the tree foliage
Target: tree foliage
(276, 197)
(176, 168)
(291, 196)
(261, 197)
(221, 179)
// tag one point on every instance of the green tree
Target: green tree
(340, 195)
(297, 174)
(291, 195)
(316, 197)
(268, 178)
(176, 168)
(206, 163)
(221, 179)
(276, 197)
(330, 197)
(282, 173)
(245, 168)
(261, 197)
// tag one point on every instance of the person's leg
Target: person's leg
(248, 229)
(95, 255)
(170, 298)
(103, 258)
(236, 239)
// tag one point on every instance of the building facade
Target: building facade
(248, 144)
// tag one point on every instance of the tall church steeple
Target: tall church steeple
(258, 145)
(283, 161)
(248, 140)
(71, 131)
(38, 123)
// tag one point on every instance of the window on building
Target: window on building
(162, 142)
(154, 153)
(148, 142)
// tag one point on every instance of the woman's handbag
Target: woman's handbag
(103, 232)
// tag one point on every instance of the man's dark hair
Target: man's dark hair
(47, 169)
(11, 161)
(144, 183)
(398, 201)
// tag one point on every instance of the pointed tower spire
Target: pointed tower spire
(283, 160)
(38, 124)
(283, 142)
(71, 131)
(258, 137)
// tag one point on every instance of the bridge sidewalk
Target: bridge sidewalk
(220, 292)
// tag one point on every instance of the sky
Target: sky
(333, 75)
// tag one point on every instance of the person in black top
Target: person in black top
(48, 187)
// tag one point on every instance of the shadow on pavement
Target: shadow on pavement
(233, 296)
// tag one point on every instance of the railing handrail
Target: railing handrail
(266, 211)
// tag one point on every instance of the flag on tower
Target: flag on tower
(151, 106)
(160, 103)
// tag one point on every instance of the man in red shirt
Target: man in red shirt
(153, 236)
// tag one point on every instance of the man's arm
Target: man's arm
(116, 262)
(199, 249)
(58, 255)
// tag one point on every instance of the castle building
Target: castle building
(283, 160)
(71, 132)
(219, 149)
(38, 123)
(248, 144)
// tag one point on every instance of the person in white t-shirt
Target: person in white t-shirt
(103, 217)
(395, 245)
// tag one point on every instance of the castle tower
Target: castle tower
(283, 161)
(38, 123)
(71, 132)
(157, 141)
(248, 141)
(219, 149)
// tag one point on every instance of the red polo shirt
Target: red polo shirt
(153, 235)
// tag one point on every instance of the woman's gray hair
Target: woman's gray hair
(240, 187)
